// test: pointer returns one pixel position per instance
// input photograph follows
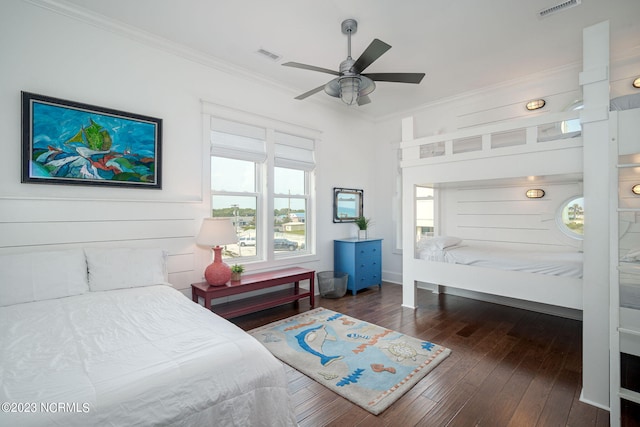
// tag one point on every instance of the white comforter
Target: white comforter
(141, 356)
(567, 264)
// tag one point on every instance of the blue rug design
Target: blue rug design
(370, 365)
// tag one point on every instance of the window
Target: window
(574, 125)
(424, 212)
(234, 195)
(261, 178)
(290, 210)
(396, 206)
(570, 217)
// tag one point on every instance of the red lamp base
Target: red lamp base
(217, 273)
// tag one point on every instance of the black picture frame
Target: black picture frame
(347, 204)
(72, 143)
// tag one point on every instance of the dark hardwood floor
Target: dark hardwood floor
(508, 367)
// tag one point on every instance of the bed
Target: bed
(556, 263)
(503, 155)
(507, 154)
(487, 263)
(119, 346)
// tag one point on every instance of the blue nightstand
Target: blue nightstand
(361, 259)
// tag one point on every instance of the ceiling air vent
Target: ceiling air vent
(559, 7)
(272, 56)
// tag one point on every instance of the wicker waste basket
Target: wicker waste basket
(332, 284)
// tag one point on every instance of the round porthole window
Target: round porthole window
(570, 217)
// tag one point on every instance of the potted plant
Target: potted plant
(363, 224)
(236, 272)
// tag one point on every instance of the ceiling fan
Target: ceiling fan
(351, 85)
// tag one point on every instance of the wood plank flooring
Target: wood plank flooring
(508, 367)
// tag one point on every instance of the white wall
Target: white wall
(49, 53)
(499, 213)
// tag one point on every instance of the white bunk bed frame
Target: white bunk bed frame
(530, 158)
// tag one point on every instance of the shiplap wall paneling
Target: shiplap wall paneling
(502, 214)
(36, 225)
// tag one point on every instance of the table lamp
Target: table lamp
(213, 233)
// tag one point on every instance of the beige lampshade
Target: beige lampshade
(216, 231)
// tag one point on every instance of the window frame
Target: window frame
(265, 257)
(306, 197)
(433, 199)
(560, 218)
(258, 196)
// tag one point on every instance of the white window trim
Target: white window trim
(269, 260)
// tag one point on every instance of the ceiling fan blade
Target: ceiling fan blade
(370, 54)
(309, 93)
(396, 77)
(311, 67)
(364, 100)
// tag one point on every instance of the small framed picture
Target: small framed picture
(66, 142)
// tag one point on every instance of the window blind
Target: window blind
(294, 152)
(238, 140)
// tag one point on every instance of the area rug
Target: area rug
(369, 365)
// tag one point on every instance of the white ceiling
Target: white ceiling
(461, 45)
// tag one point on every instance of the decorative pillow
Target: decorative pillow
(37, 276)
(118, 268)
(441, 242)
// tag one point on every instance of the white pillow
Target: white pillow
(118, 268)
(441, 242)
(37, 276)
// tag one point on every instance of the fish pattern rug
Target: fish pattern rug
(367, 364)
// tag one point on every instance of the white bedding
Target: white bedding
(566, 264)
(140, 356)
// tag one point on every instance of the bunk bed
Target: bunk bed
(508, 151)
(525, 148)
(504, 151)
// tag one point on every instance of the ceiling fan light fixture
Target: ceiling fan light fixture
(636, 83)
(349, 89)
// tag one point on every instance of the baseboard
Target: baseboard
(589, 402)
(391, 277)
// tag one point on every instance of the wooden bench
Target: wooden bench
(254, 282)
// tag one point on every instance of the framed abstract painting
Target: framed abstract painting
(66, 142)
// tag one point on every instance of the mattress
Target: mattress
(140, 356)
(565, 264)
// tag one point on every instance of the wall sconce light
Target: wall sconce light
(636, 189)
(636, 83)
(535, 104)
(536, 193)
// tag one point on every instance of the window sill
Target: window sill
(280, 263)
